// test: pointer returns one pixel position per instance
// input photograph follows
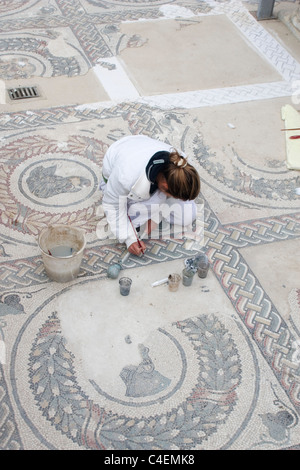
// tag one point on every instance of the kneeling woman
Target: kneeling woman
(145, 180)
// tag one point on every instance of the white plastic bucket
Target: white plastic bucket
(62, 248)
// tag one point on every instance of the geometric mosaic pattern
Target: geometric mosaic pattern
(214, 398)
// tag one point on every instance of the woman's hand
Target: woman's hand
(137, 250)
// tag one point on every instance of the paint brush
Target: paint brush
(137, 238)
(295, 129)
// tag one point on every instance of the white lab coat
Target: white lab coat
(126, 182)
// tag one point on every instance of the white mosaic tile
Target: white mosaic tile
(219, 96)
(260, 39)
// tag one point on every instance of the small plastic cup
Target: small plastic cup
(187, 277)
(125, 284)
(173, 282)
(202, 266)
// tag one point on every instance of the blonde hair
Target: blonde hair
(182, 178)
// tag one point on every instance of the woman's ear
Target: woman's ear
(164, 184)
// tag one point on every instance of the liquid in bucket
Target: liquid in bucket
(62, 251)
(62, 248)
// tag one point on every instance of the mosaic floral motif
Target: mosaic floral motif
(68, 408)
(53, 381)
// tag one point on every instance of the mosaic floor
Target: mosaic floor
(212, 366)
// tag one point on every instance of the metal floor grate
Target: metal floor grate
(23, 93)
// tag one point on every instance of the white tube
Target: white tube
(125, 257)
(158, 283)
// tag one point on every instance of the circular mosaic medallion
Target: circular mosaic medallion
(152, 383)
(44, 181)
(188, 384)
(54, 182)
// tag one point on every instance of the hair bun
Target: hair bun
(181, 162)
(178, 160)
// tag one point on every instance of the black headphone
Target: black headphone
(156, 164)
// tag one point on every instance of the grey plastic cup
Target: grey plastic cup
(125, 284)
(203, 266)
(187, 277)
(173, 282)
